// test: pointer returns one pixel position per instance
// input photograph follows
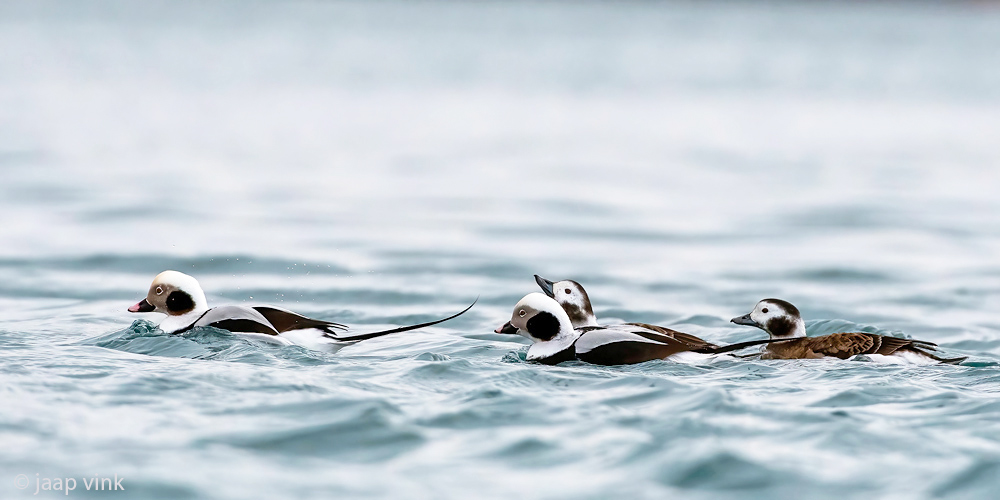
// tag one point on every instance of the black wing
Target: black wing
(283, 320)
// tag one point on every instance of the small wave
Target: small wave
(206, 343)
(359, 431)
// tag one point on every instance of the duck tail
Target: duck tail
(947, 361)
(371, 335)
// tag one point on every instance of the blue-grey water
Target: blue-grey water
(379, 163)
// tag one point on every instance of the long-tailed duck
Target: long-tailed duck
(543, 321)
(181, 298)
(575, 301)
(782, 322)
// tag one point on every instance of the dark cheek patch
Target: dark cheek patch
(781, 326)
(576, 313)
(179, 302)
(543, 326)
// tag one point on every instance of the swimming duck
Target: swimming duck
(575, 301)
(181, 298)
(542, 320)
(782, 322)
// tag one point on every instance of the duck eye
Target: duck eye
(764, 310)
(521, 313)
(568, 291)
(159, 290)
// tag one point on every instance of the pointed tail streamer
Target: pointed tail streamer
(739, 345)
(364, 336)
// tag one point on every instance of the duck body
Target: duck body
(849, 344)
(575, 301)
(629, 344)
(181, 298)
(783, 323)
(543, 320)
(269, 324)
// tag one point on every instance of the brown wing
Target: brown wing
(890, 345)
(693, 341)
(841, 345)
(845, 345)
(874, 344)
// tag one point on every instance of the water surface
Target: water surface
(384, 163)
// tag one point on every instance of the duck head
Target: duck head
(573, 299)
(174, 294)
(542, 320)
(780, 319)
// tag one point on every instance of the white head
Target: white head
(543, 321)
(780, 319)
(174, 294)
(573, 299)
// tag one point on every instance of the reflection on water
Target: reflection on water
(386, 163)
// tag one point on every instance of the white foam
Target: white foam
(311, 338)
(689, 357)
(902, 358)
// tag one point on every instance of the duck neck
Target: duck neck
(563, 340)
(181, 321)
(580, 317)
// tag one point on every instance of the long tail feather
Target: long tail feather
(740, 345)
(372, 335)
